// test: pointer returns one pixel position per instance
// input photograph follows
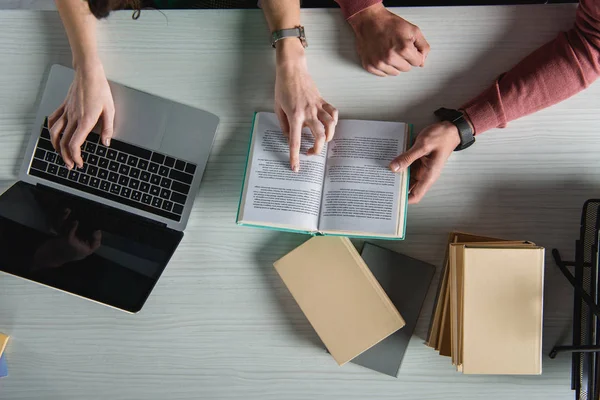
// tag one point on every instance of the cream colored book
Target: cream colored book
(346, 190)
(502, 310)
(339, 296)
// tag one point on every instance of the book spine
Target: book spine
(237, 218)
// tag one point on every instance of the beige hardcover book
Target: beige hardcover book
(339, 295)
(3, 342)
(502, 306)
(437, 323)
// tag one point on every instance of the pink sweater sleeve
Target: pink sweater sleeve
(557, 70)
(351, 7)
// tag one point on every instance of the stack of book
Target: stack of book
(488, 313)
(355, 303)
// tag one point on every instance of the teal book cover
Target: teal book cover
(239, 220)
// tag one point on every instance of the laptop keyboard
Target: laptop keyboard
(124, 173)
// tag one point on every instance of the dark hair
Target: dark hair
(102, 8)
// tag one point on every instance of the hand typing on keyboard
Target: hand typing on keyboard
(89, 99)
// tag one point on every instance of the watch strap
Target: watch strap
(467, 137)
(296, 32)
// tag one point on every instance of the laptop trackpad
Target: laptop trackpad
(139, 119)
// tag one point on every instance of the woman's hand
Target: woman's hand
(89, 99)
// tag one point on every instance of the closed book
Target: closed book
(339, 295)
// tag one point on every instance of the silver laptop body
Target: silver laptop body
(161, 126)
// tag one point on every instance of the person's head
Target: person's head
(102, 8)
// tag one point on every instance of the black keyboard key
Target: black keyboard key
(103, 163)
(130, 149)
(158, 158)
(45, 144)
(165, 183)
(145, 187)
(102, 174)
(45, 132)
(167, 205)
(92, 170)
(124, 169)
(122, 158)
(105, 185)
(115, 189)
(113, 177)
(90, 147)
(123, 180)
(50, 157)
(169, 161)
(39, 153)
(134, 184)
(180, 165)
(73, 175)
(125, 192)
(101, 151)
(153, 167)
(52, 169)
(146, 199)
(143, 164)
(190, 168)
(113, 166)
(95, 182)
(177, 209)
(135, 195)
(93, 137)
(107, 195)
(39, 164)
(93, 159)
(177, 197)
(181, 176)
(156, 202)
(180, 187)
(134, 173)
(63, 172)
(155, 180)
(84, 156)
(154, 190)
(111, 154)
(132, 161)
(82, 170)
(163, 171)
(165, 193)
(84, 179)
(145, 176)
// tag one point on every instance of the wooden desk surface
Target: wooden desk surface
(220, 324)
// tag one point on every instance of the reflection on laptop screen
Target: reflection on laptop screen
(82, 247)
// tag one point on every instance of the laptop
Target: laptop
(106, 232)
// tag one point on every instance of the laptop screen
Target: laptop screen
(82, 247)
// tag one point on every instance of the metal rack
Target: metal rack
(585, 363)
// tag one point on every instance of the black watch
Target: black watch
(464, 128)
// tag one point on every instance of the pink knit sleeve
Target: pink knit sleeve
(557, 70)
(351, 7)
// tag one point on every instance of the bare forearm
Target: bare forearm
(284, 14)
(80, 26)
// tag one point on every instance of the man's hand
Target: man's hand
(89, 99)
(298, 102)
(427, 156)
(386, 43)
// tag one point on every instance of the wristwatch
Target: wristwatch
(464, 128)
(297, 32)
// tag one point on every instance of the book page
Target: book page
(273, 194)
(361, 194)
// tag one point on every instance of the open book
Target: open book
(346, 190)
